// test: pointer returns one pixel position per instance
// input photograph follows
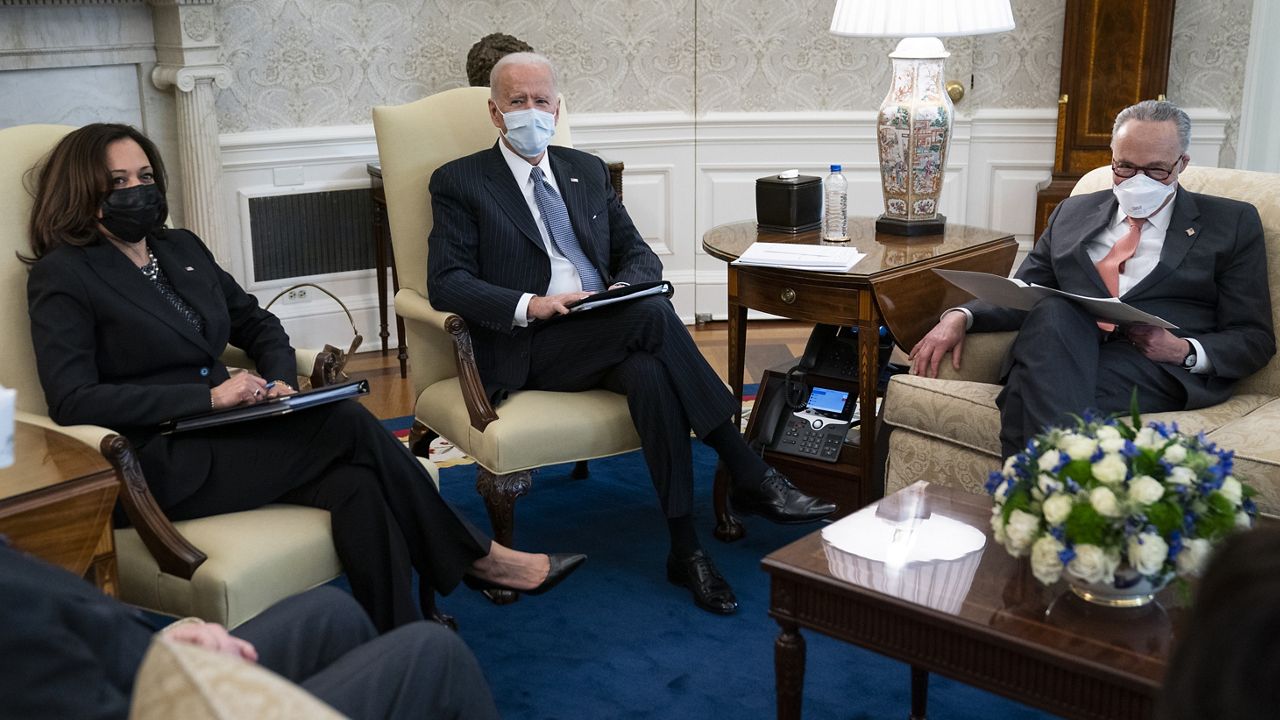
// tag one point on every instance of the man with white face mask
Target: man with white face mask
(522, 230)
(1195, 260)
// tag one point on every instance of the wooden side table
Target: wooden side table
(384, 257)
(893, 286)
(56, 502)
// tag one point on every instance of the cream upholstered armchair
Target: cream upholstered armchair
(947, 430)
(530, 428)
(224, 568)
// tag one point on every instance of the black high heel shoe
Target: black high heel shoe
(562, 565)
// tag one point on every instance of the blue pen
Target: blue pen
(269, 385)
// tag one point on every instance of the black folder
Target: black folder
(268, 408)
(622, 294)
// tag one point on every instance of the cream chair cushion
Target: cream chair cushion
(534, 427)
(256, 558)
(179, 680)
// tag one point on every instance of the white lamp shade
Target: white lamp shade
(920, 18)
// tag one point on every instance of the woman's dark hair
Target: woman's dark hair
(1227, 662)
(72, 181)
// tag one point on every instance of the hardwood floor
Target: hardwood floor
(769, 343)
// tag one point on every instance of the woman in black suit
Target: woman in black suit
(128, 320)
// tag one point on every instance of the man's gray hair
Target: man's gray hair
(522, 58)
(1157, 111)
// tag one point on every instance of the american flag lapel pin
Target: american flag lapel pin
(189, 269)
(1191, 232)
(573, 179)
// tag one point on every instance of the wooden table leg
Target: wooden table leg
(919, 693)
(402, 353)
(737, 354)
(380, 266)
(788, 669)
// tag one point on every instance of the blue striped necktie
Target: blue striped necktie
(556, 218)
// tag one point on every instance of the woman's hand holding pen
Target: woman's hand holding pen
(242, 389)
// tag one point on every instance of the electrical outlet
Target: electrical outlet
(297, 294)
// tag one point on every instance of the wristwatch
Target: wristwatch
(1189, 361)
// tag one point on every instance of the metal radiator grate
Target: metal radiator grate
(310, 234)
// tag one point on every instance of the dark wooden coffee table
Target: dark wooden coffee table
(1009, 634)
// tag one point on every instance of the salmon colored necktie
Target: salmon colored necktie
(1109, 267)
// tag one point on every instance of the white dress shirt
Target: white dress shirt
(564, 276)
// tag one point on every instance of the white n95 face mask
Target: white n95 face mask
(529, 131)
(1140, 196)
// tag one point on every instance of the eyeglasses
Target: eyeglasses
(1125, 170)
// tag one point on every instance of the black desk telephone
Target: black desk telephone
(810, 413)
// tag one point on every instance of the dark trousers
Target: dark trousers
(641, 349)
(323, 641)
(1061, 365)
(387, 516)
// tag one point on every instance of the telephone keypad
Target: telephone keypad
(799, 437)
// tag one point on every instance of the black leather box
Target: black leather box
(790, 205)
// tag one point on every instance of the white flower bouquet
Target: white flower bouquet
(1113, 505)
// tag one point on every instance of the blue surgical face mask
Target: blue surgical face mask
(529, 131)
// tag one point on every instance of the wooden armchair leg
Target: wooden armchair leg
(500, 493)
(420, 437)
(728, 529)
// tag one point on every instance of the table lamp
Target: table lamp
(914, 124)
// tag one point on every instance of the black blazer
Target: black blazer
(70, 651)
(111, 351)
(1211, 281)
(485, 250)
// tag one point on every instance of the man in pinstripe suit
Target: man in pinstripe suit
(521, 231)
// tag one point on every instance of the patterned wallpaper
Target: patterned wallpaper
(300, 63)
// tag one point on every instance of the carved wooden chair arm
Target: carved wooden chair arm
(172, 552)
(411, 305)
(478, 406)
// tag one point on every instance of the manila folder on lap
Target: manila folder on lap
(1015, 294)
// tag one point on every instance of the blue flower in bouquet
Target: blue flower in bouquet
(1107, 495)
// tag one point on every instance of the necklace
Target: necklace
(152, 268)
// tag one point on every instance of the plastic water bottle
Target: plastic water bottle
(835, 193)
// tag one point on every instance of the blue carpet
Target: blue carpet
(617, 641)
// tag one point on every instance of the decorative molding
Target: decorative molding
(185, 77)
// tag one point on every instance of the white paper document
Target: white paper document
(1011, 293)
(815, 258)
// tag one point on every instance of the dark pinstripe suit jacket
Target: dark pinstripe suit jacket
(486, 251)
(1211, 281)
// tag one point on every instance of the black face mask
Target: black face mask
(132, 213)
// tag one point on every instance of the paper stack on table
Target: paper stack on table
(815, 258)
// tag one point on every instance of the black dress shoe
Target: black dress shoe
(776, 499)
(562, 565)
(710, 590)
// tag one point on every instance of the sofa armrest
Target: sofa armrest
(981, 359)
(172, 552)
(412, 306)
